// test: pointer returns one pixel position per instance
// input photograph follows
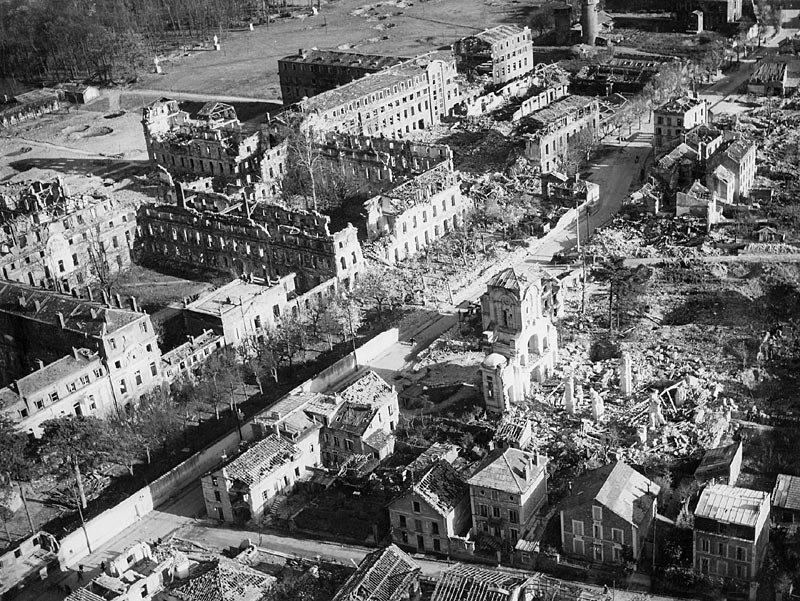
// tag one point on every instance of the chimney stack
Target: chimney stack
(61, 321)
(134, 305)
(39, 364)
(75, 353)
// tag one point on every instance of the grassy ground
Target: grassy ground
(247, 65)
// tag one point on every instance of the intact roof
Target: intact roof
(473, 583)
(383, 575)
(717, 460)
(83, 316)
(231, 296)
(618, 487)
(34, 96)
(509, 470)
(224, 580)
(338, 58)
(731, 504)
(441, 487)
(498, 34)
(56, 371)
(260, 460)
(786, 493)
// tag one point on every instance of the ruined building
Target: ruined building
(311, 72)
(505, 52)
(395, 101)
(519, 334)
(213, 149)
(53, 239)
(407, 218)
(263, 240)
(41, 327)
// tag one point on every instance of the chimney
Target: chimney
(37, 304)
(61, 321)
(39, 364)
(89, 293)
(75, 353)
(106, 301)
(301, 53)
(134, 305)
(118, 298)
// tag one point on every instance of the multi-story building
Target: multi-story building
(77, 384)
(393, 102)
(263, 240)
(731, 170)
(717, 14)
(239, 310)
(53, 239)
(507, 492)
(434, 510)
(731, 532)
(386, 574)
(505, 51)
(243, 487)
(552, 132)
(44, 326)
(213, 149)
(608, 514)
(675, 117)
(407, 218)
(364, 422)
(786, 501)
(520, 337)
(184, 360)
(311, 72)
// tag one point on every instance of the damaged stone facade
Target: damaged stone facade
(57, 240)
(214, 149)
(263, 240)
(505, 52)
(406, 219)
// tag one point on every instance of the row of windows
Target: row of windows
(419, 524)
(617, 535)
(720, 568)
(723, 550)
(498, 512)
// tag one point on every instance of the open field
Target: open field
(248, 62)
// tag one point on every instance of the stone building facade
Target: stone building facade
(675, 118)
(311, 72)
(266, 241)
(407, 218)
(505, 52)
(53, 239)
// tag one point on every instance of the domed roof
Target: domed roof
(494, 361)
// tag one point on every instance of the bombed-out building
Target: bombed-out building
(505, 52)
(53, 239)
(259, 239)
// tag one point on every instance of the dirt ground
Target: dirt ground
(247, 64)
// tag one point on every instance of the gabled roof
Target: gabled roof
(224, 580)
(259, 461)
(786, 493)
(473, 583)
(368, 388)
(511, 428)
(441, 487)
(498, 33)
(508, 279)
(383, 575)
(717, 461)
(617, 487)
(509, 470)
(731, 504)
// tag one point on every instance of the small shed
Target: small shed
(79, 93)
(721, 465)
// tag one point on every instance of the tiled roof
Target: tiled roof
(378, 440)
(260, 460)
(510, 470)
(499, 33)
(739, 149)
(717, 461)
(431, 455)
(472, 583)
(368, 388)
(338, 58)
(508, 279)
(787, 492)
(53, 373)
(618, 487)
(83, 316)
(731, 504)
(83, 594)
(442, 488)
(224, 580)
(383, 575)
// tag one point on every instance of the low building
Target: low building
(78, 384)
(77, 93)
(608, 515)
(220, 579)
(786, 501)
(507, 492)
(514, 431)
(29, 105)
(505, 52)
(569, 191)
(311, 72)
(675, 117)
(732, 170)
(464, 582)
(552, 132)
(775, 76)
(240, 311)
(26, 561)
(364, 422)
(698, 201)
(184, 360)
(731, 532)
(243, 487)
(721, 465)
(387, 574)
(433, 512)
(406, 219)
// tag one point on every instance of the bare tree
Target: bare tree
(106, 273)
(303, 162)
